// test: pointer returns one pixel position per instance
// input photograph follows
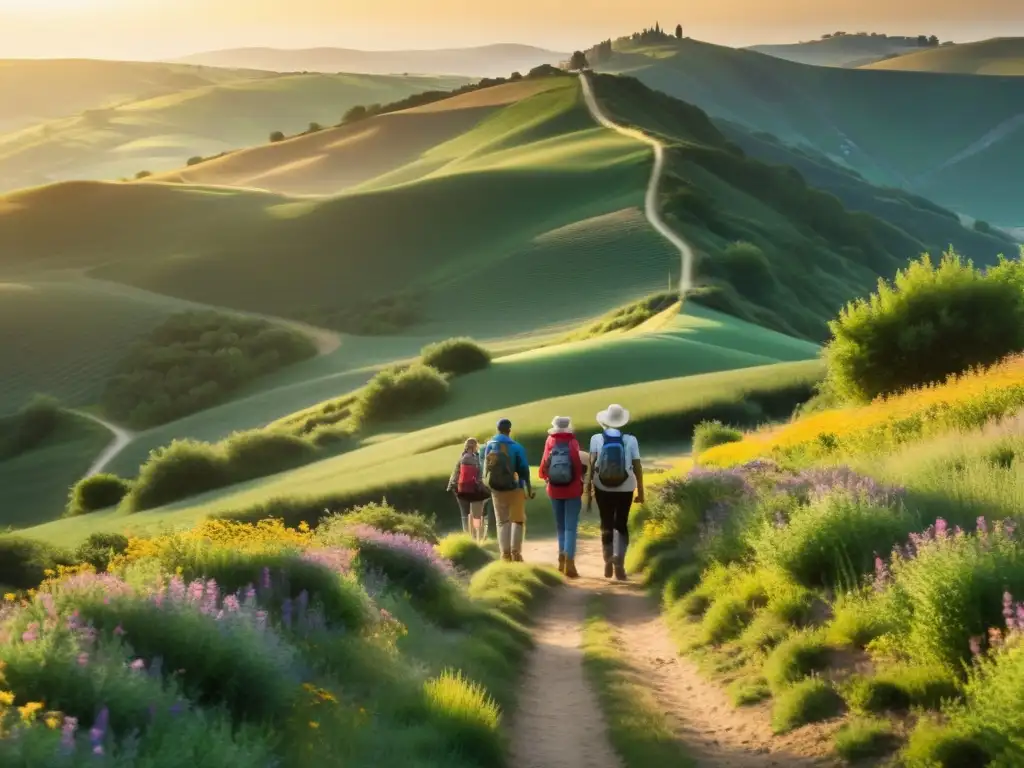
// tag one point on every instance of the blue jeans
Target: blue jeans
(567, 521)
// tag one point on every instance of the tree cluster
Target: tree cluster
(654, 34)
(925, 41)
(192, 361)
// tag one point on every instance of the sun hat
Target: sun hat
(560, 425)
(614, 416)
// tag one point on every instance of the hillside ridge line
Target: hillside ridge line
(651, 208)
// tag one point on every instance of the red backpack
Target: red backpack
(469, 483)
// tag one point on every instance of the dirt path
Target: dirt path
(122, 437)
(558, 721)
(652, 207)
(714, 732)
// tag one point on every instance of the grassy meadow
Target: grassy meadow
(1000, 56)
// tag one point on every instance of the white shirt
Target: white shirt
(632, 450)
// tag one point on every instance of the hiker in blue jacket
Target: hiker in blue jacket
(507, 474)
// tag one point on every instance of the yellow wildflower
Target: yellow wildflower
(53, 721)
(314, 724)
(28, 712)
(10, 597)
(6, 698)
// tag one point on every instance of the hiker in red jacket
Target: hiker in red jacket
(563, 469)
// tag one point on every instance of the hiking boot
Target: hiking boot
(608, 565)
(570, 568)
(620, 570)
(517, 557)
(506, 557)
(561, 562)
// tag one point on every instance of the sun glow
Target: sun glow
(43, 6)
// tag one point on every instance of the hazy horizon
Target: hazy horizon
(165, 29)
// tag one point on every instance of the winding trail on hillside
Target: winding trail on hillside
(559, 723)
(652, 209)
(122, 437)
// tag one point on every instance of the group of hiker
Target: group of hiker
(498, 473)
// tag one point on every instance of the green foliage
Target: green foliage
(748, 269)
(194, 160)
(100, 548)
(746, 691)
(143, 174)
(465, 553)
(983, 226)
(864, 738)
(467, 714)
(29, 427)
(725, 619)
(395, 392)
(795, 658)
(808, 701)
(192, 361)
(455, 356)
(511, 587)
(833, 540)
(259, 453)
(23, 561)
(708, 434)
(334, 528)
(929, 323)
(856, 621)
(994, 700)
(97, 492)
(182, 469)
(632, 315)
(899, 688)
(933, 745)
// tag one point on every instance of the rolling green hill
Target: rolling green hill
(482, 61)
(35, 90)
(998, 56)
(969, 158)
(841, 51)
(162, 132)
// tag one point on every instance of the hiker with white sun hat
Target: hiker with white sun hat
(561, 467)
(616, 474)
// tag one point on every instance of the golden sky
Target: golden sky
(147, 29)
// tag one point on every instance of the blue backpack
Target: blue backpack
(612, 469)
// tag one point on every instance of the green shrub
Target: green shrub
(725, 619)
(632, 315)
(465, 553)
(467, 715)
(100, 548)
(23, 561)
(194, 160)
(456, 356)
(856, 621)
(683, 580)
(29, 427)
(192, 361)
(932, 745)
(900, 688)
(808, 701)
(182, 469)
(261, 452)
(865, 738)
(511, 587)
(276, 136)
(97, 492)
(833, 541)
(931, 322)
(382, 516)
(746, 691)
(796, 657)
(747, 268)
(765, 632)
(708, 434)
(394, 393)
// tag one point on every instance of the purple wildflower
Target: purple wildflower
(982, 526)
(67, 733)
(881, 574)
(83, 659)
(138, 665)
(119, 630)
(975, 644)
(941, 528)
(99, 729)
(266, 578)
(338, 559)
(31, 633)
(400, 542)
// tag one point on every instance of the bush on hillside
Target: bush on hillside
(931, 322)
(262, 452)
(29, 427)
(708, 434)
(382, 517)
(176, 471)
(97, 492)
(456, 356)
(395, 393)
(23, 562)
(632, 315)
(276, 136)
(748, 269)
(194, 160)
(100, 548)
(192, 361)
(983, 226)
(143, 174)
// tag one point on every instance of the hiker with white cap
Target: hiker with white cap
(562, 468)
(616, 473)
